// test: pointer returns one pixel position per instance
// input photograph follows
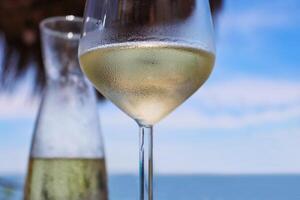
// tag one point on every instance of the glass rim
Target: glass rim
(60, 33)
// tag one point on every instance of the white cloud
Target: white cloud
(239, 103)
(252, 92)
(272, 152)
(193, 119)
(18, 105)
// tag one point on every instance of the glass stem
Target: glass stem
(146, 163)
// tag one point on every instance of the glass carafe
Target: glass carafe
(67, 154)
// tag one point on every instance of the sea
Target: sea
(191, 187)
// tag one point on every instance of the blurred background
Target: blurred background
(239, 135)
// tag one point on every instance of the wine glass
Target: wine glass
(147, 57)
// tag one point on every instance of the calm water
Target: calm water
(260, 187)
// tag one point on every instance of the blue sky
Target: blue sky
(245, 119)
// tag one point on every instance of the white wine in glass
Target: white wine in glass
(147, 80)
(147, 57)
(66, 178)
